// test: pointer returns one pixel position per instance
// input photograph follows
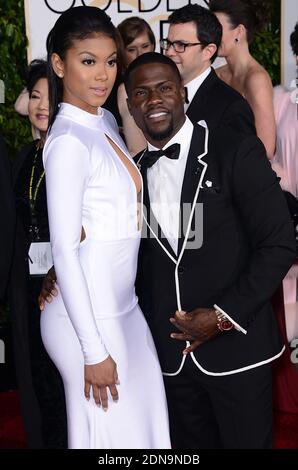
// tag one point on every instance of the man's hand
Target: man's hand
(197, 326)
(48, 290)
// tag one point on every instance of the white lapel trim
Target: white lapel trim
(162, 246)
(178, 297)
(148, 225)
(205, 165)
(137, 163)
(235, 371)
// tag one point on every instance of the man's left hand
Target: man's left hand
(197, 326)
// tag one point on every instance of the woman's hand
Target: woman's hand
(99, 377)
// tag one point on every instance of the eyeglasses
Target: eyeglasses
(178, 46)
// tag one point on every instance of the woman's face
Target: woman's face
(38, 107)
(229, 35)
(89, 72)
(138, 46)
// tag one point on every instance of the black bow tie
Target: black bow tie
(151, 157)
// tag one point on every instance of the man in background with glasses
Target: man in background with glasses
(192, 43)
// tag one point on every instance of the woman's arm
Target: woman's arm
(134, 137)
(259, 94)
(66, 162)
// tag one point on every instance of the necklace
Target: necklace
(33, 229)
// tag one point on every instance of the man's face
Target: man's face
(193, 61)
(156, 102)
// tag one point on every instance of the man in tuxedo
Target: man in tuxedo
(7, 218)
(206, 292)
(193, 39)
(219, 274)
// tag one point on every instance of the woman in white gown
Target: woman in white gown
(94, 329)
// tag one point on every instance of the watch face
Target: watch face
(226, 325)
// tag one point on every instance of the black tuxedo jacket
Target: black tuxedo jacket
(247, 248)
(7, 218)
(220, 105)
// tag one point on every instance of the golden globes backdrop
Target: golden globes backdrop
(42, 14)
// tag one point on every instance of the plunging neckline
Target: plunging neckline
(95, 121)
(112, 143)
(139, 214)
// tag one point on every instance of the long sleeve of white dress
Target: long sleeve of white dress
(66, 162)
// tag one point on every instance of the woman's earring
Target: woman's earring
(236, 40)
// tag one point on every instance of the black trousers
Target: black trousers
(222, 412)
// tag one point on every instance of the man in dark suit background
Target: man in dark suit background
(193, 39)
(222, 269)
(7, 218)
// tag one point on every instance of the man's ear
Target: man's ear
(183, 92)
(209, 51)
(58, 65)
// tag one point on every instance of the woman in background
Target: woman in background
(138, 38)
(285, 161)
(240, 19)
(285, 164)
(39, 382)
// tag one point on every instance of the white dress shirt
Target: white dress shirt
(194, 85)
(165, 179)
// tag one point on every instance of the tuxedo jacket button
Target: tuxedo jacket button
(181, 269)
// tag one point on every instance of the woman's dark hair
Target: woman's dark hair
(294, 40)
(37, 69)
(74, 24)
(209, 29)
(253, 14)
(132, 27)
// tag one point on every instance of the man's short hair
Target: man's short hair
(209, 29)
(146, 59)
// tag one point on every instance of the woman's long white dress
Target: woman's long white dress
(96, 312)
